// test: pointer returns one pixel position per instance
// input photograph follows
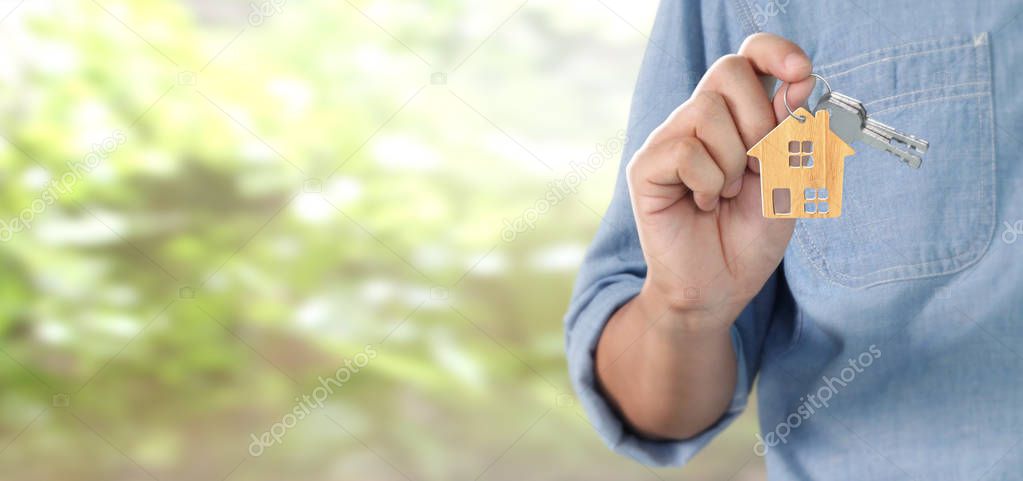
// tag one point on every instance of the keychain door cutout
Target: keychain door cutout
(801, 166)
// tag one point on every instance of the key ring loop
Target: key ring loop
(785, 97)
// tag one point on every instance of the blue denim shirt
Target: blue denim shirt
(889, 344)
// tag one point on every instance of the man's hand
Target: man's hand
(696, 199)
(665, 358)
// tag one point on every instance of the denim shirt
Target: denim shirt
(889, 344)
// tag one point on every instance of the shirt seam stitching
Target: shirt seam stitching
(897, 48)
(744, 8)
(891, 57)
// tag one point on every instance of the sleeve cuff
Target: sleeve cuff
(582, 342)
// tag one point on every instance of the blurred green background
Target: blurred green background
(209, 207)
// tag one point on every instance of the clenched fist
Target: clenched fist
(665, 358)
(696, 197)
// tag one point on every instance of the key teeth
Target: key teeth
(911, 158)
(921, 147)
(915, 144)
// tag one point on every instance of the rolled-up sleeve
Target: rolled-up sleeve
(614, 269)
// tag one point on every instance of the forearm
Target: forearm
(669, 376)
(695, 197)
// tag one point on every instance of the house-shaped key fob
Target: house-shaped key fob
(801, 166)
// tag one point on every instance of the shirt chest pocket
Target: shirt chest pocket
(900, 223)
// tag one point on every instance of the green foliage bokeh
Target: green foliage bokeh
(287, 194)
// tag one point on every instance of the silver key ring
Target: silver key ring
(785, 97)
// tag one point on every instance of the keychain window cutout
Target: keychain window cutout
(802, 157)
(799, 153)
(814, 201)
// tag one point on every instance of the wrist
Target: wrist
(688, 315)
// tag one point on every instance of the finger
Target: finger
(776, 56)
(733, 77)
(699, 172)
(707, 116)
(714, 126)
(686, 163)
(753, 163)
(799, 92)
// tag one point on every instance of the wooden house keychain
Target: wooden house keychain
(802, 159)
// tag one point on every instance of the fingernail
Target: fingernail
(797, 63)
(733, 189)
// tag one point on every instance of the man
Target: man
(887, 342)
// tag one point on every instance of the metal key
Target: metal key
(885, 131)
(849, 120)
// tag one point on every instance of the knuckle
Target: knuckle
(727, 68)
(663, 132)
(732, 62)
(706, 103)
(754, 38)
(687, 150)
(697, 170)
(632, 167)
